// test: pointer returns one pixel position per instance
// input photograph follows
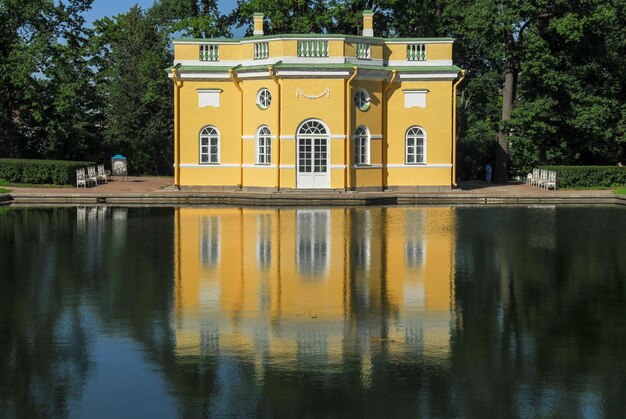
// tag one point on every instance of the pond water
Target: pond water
(312, 312)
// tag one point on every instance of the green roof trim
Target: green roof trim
(427, 69)
(200, 69)
(309, 35)
(344, 66)
(257, 14)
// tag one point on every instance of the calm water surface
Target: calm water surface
(362, 312)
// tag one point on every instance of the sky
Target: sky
(102, 8)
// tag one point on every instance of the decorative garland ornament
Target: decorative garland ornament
(311, 97)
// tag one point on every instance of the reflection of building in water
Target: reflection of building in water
(307, 287)
(210, 241)
(313, 242)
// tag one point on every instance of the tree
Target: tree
(494, 32)
(26, 33)
(195, 18)
(71, 112)
(132, 53)
(285, 16)
(49, 102)
(573, 88)
(347, 16)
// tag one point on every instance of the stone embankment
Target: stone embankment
(158, 191)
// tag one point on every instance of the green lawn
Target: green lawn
(620, 191)
(4, 190)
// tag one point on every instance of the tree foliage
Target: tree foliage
(195, 18)
(132, 53)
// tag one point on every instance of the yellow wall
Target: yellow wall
(226, 286)
(376, 51)
(232, 120)
(439, 51)
(435, 119)
(350, 49)
(186, 51)
(231, 52)
(193, 118)
(336, 48)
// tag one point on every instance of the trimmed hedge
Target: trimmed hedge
(588, 176)
(55, 172)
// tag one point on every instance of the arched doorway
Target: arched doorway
(313, 155)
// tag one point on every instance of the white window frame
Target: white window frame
(410, 151)
(362, 100)
(263, 145)
(362, 134)
(261, 98)
(209, 98)
(206, 134)
(415, 98)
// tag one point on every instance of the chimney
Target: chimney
(258, 24)
(368, 23)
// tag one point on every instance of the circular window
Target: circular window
(263, 98)
(362, 99)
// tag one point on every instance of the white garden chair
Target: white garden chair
(543, 177)
(102, 174)
(81, 178)
(551, 181)
(91, 175)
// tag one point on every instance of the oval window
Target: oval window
(362, 99)
(263, 98)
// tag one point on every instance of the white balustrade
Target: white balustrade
(311, 48)
(416, 52)
(261, 50)
(363, 51)
(209, 52)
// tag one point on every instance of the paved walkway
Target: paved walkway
(133, 184)
(163, 185)
(159, 190)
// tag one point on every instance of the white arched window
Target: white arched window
(312, 127)
(415, 145)
(209, 145)
(264, 146)
(362, 145)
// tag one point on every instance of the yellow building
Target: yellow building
(310, 287)
(340, 112)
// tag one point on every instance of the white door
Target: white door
(313, 157)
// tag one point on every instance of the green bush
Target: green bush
(588, 176)
(55, 172)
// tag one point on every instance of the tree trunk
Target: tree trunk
(502, 139)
